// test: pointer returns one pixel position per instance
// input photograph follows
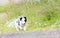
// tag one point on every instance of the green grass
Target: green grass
(41, 15)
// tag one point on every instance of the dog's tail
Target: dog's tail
(10, 23)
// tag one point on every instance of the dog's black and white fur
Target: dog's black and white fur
(19, 23)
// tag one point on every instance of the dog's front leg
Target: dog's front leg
(24, 28)
(20, 27)
(17, 28)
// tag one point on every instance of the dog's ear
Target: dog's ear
(21, 18)
(25, 19)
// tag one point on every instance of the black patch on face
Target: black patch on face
(21, 18)
(25, 19)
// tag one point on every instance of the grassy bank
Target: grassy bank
(42, 15)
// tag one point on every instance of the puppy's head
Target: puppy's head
(23, 19)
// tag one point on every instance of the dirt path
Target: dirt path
(41, 34)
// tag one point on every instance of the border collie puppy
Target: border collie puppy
(19, 23)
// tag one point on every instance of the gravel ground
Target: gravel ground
(40, 34)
